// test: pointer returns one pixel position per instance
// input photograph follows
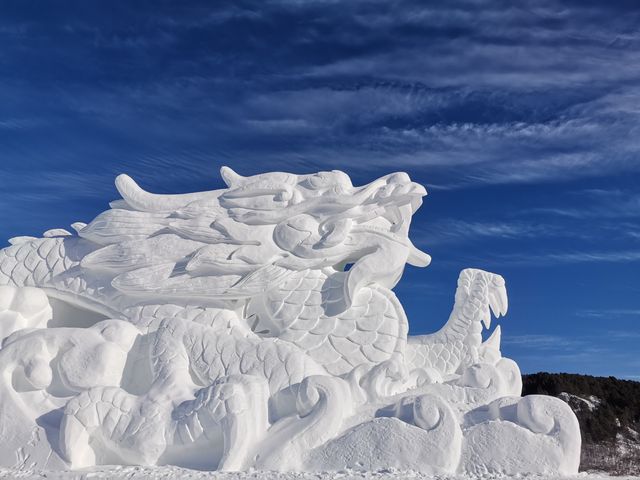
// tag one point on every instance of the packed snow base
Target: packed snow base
(223, 330)
(173, 473)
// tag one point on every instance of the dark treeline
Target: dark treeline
(619, 408)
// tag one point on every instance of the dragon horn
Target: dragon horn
(231, 178)
(144, 201)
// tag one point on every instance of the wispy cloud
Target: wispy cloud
(515, 95)
(610, 313)
(602, 354)
(447, 231)
(554, 258)
(543, 342)
(598, 203)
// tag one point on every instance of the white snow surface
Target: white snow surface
(172, 472)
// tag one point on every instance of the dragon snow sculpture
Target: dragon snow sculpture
(255, 327)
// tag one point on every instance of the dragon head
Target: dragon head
(231, 242)
(323, 218)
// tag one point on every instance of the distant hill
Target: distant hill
(608, 410)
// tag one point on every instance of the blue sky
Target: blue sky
(521, 118)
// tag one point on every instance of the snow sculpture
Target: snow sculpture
(223, 330)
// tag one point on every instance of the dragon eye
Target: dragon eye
(385, 191)
(318, 181)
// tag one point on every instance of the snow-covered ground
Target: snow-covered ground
(161, 473)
